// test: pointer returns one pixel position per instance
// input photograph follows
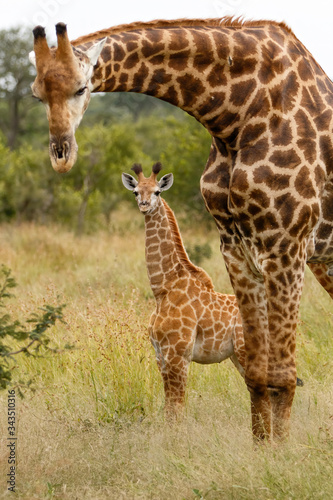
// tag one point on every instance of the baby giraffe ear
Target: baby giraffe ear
(32, 58)
(166, 182)
(94, 51)
(129, 182)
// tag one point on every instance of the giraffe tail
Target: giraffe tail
(299, 382)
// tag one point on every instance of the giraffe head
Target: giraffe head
(63, 85)
(147, 189)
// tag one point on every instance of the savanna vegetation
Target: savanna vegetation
(91, 424)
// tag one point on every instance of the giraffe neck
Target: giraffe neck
(166, 257)
(189, 67)
(222, 72)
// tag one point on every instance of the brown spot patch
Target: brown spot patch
(131, 61)
(304, 126)
(191, 88)
(312, 101)
(327, 207)
(154, 35)
(283, 95)
(286, 205)
(179, 60)
(324, 231)
(157, 60)
(285, 159)
(302, 222)
(140, 77)
(326, 152)
(260, 197)
(170, 95)
(240, 92)
(244, 44)
(275, 181)
(323, 121)
(252, 154)
(118, 52)
(281, 130)
(277, 34)
(202, 60)
(259, 106)
(239, 180)
(305, 70)
(221, 44)
(242, 66)
(251, 134)
(149, 49)
(214, 101)
(303, 183)
(266, 222)
(179, 40)
(217, 77)
(220, 123)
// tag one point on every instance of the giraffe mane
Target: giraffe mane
(181, 252)
(227, 21)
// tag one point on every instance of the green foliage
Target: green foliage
(117, 130)
(197, 253)
(16, 75)
(30, 338)
(86, 197)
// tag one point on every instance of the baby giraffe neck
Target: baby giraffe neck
(161, 255)
(166, 256)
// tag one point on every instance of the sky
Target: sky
(311, 21)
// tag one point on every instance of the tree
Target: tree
(183, 149)
(16, 76)
(104, 152)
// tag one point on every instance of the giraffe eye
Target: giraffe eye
(135, 193)
(81, 91)
(157, 193)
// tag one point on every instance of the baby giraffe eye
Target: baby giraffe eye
(135, 193)
(157, 193)
(81, 91)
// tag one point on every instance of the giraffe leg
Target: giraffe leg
(174, 374)
(283, 282)
(251, 297)
(320, 272)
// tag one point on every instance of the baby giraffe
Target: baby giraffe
(191, 321)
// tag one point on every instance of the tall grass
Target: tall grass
(94, 427)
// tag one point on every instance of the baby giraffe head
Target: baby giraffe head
(147, 189)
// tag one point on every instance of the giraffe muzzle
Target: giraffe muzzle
(63, 154)
(145, 207)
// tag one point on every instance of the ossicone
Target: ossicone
(41, 48)
(39, 32)
(64, 50)
(157, 167)
(137, 169)
(61, 28)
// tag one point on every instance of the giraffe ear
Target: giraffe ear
(166, 182)
(95, 50)
(129, 182)
(32, 58)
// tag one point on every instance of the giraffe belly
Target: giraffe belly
(208, 351)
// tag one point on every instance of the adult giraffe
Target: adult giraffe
(268, 181)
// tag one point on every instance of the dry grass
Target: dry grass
(94, 427)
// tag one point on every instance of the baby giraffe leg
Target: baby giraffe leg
(174, 372)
